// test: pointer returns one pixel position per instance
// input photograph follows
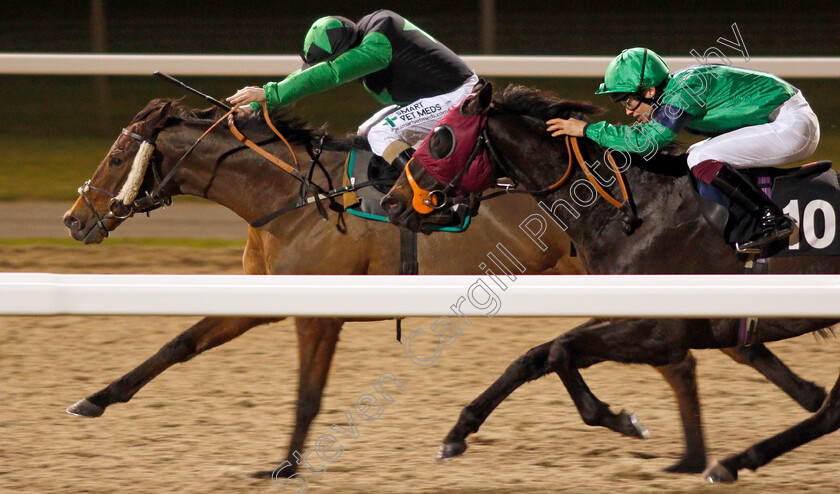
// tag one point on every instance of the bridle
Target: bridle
(149, 201)
(425, 201)
(310, 193)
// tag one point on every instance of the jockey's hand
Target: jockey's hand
(249, 94)
(571, 127)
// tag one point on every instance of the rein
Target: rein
(293, 171)
(630, 221)
(310, 193)
(426, 201)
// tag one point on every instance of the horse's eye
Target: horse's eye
(115, 161)
(442, 142)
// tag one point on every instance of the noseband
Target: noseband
(125, 203)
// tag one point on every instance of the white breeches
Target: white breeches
(791, 136)
(411, 123)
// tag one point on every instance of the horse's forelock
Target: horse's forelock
(543, 106)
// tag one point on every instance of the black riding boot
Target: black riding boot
(774, 225)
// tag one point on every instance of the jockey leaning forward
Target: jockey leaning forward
(755, 120)
(397, 63)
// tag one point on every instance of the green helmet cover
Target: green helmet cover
(626, 74)
(328, 38)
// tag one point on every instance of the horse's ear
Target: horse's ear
(157, 118)
(479, 101)
(479, 85)
(485, 96)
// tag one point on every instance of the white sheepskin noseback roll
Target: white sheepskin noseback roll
(135, 177)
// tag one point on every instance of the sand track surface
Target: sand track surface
(204, 425)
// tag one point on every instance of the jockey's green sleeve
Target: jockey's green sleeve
(704, 99)
(638, 138)
(373, 54)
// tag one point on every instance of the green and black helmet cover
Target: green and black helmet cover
(328, 38)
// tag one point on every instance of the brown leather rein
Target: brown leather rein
(307, 186)
(293, 171)
(630, 220)
(424, 201)
(575, 156)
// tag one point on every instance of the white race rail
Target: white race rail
(277, 65)
(384, 296)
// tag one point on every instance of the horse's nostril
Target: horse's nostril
(71, 222)
(389, 203)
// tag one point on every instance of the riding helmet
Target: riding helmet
(328, 38)
(633, 70)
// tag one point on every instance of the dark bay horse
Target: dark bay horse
(222, 170)
(673, 238)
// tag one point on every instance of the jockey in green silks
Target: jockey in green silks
(753, 119)
(398, 64)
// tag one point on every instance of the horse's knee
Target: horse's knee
(559, 355)
(531, 364)
(181, 348)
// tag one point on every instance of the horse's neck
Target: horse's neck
(595, 226)
(224, 171)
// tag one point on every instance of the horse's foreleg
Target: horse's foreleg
(204, 335)
(564, 361)
(317, 339)
(530, 366)
(760, 358)
(825, 421)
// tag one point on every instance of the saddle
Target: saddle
(809, 194)
(362, 166)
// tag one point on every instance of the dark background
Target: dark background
(803, 28)
(45, 113)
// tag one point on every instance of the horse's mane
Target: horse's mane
(530, 102)
(295, 129)
(521, 100)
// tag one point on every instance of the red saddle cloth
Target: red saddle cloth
(464, 129)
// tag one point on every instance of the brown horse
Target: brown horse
(224, 171)
(674, 238)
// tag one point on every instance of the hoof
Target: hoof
(687, 465)
(637, 428)
(719, 474)
(262, 474)
(85, 408)
(450, 450)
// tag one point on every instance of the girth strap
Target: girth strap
(408, 262)
(747, 334)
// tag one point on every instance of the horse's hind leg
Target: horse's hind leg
(204, 335)
(683, 381)
(809, 395)
(682, 378)
(317, 339)
(825, 421)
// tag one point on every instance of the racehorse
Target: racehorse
(672, 238)
(224, 171)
